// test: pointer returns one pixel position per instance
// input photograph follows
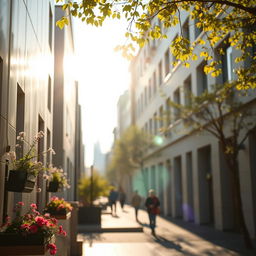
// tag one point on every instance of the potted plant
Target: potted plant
(25, 169)
(58, 208)
(29, 234)
(89, 190)
(57, 179)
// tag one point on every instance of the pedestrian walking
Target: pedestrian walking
(153, 208)
(136, 201)
(122, 197)
(112, 198)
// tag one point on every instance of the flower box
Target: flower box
(53, 186)
(20, 181)
(61, 214)
(17, 244)
(58, 216)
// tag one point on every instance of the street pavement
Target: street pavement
(121, 235)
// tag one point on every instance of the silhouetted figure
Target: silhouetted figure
(136, 200)
(122, 197)
(152, 203)
(112, 198)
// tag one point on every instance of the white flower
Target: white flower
(12, 155)
(38, 190)
(51, 150)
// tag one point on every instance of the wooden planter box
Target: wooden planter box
(20, 181)
(53, 186)
(89, 215)
(16, 244)
(60, 215)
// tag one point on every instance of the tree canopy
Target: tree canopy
(127, 153)
(225, 22)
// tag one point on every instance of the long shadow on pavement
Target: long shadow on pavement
(229, 240)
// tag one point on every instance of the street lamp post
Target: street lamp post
(91, 190)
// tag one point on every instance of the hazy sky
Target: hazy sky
(103, 77)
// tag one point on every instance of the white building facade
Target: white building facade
(187, 170)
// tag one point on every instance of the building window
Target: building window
(198, 30)
(155, 123)
(49, 154)
(187, 91)
(149, 89)
(49, 104)
(20, 117)
(160, 72)
(176, 98)
(50, 26)
(167, 62)
(150, 126)
(202, 85)
(227, 65)
(161, 117)
(168, 112)
(185, 30)
(145, 96)
(154, 82)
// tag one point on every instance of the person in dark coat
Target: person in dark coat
(112, 198)
(152, 203)
(122, 197)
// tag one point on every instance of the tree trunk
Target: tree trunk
(236, 191)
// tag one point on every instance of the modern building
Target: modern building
(26, 89)
(123, 113)
(67, 133)
(99, 159)
(187, 170)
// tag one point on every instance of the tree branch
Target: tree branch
(251, 10)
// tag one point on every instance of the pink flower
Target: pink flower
(24, 226)
(54, 221)
(35, 212)
(47, 215)
(53, 248)
(64, 233)
(41, 221)
(33, 206)
(20, 203)
(54, 198)
(61, 206)
(60, 229)
(33, 228)
(53, 252)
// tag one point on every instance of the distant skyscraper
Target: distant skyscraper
(99, 159)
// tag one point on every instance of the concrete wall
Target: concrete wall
(27, 59)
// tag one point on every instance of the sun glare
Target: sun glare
(103, 76)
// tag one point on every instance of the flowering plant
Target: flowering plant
(57, 175)
(33, 223)
(57, 206)
(27, 162)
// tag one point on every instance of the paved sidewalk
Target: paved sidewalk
(174, 237)
(121, 222)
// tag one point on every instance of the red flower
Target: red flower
(53, 248)
(33, 228)
(60, 229)
(24, 226)
(20, 203)
(41, 221)
(33, 206)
